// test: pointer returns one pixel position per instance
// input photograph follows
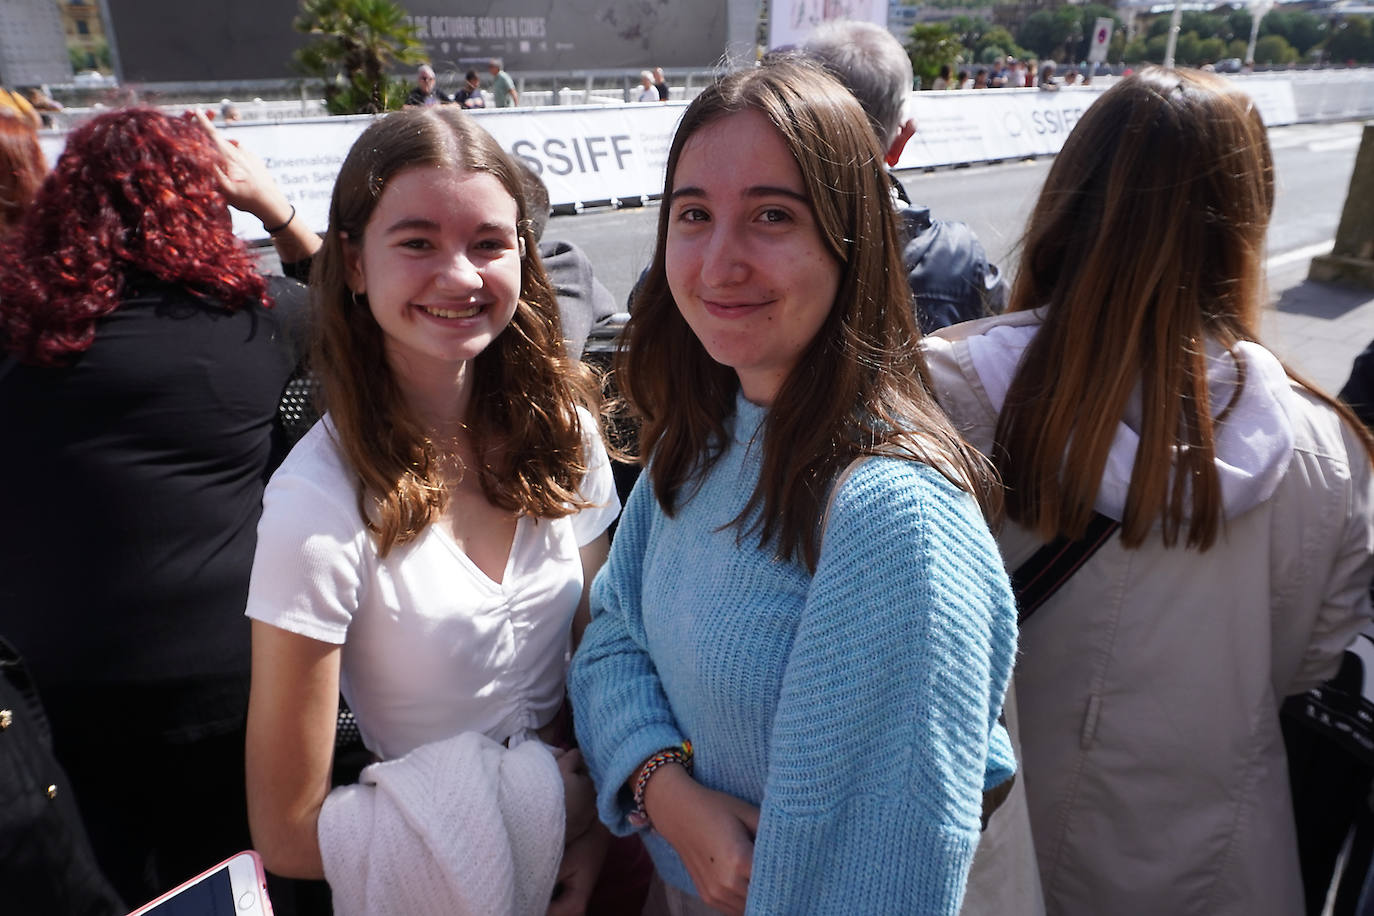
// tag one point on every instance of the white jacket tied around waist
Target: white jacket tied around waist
(459, 827)
(1149, 685)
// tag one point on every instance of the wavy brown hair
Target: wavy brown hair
(22, 168)
(1146, 243)
(134, 192)
(522, 417)
(859, 388)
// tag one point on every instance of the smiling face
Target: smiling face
(440, 265)
(744, 256)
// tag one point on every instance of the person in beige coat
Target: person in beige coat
(1126, 379)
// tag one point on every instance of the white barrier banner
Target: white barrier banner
(582, 154)
(985, 125)
(304, 157)
(586, 154)
(595, 154)
(1274, 99)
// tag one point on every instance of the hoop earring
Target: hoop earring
(354, 294)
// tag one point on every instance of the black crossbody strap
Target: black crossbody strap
(1037, 579)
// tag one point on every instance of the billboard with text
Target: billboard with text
(571, 34)
(176, 41)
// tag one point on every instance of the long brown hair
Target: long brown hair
(859, 388)
(523, 412)
(1147, 242)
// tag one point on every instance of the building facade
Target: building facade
(87, 44)
(32, 49)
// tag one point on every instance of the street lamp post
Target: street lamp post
(1174, 20)
(1258, 9)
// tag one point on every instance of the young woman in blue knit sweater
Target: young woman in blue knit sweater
(802, 638)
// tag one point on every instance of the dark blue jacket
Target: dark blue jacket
(948, 271)
(946, 267)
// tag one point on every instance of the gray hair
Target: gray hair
(872, 64)
(425, 70)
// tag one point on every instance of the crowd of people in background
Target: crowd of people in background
(652, 87)
(814, 666)
(1012, 73)
(469, 94)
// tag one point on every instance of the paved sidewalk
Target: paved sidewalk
(1318, 328)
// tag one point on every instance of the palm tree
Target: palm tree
(356, 42)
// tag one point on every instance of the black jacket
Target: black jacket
(947, 269)
(46, 862)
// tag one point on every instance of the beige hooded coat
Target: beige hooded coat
(1149, 685)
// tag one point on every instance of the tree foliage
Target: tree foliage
(1274, 49)
(1205, 25)
(1065, 34)
(1300, 28)
(1238, 22)
(1087, 18)
(932, 46)
(1116, 48)
(997, 43)
(1285, 36)
(1352, 40)
(355, 43)
(1046, 32)
(1211, 50)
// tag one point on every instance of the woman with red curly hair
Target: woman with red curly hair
(21, 169)
(143, 361)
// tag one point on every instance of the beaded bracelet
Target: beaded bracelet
(681, 755)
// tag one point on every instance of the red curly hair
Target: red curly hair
(135, 191)
(22, 168)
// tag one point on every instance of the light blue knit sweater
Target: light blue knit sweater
(857, 707)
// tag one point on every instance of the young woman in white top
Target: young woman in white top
(426, 545)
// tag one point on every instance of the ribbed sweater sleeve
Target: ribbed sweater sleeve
(621, 712)
(886, 727)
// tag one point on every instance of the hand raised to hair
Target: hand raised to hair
(713, 834)
(244, 180)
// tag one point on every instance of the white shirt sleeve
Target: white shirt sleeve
(598, 487)
(312, 549)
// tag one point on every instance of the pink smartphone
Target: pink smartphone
(235, 887)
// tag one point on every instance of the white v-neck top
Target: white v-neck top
(431, 645)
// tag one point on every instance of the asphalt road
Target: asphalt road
(1313, 164)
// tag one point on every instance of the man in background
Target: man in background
(426, 92)
(502, 86)
(947, 268)
(469, 95)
